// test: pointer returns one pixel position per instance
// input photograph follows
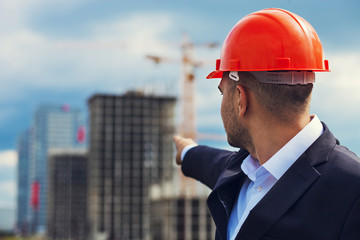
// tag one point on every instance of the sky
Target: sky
(64, 51)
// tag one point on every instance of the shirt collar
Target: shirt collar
(250, 166)
(278, 164)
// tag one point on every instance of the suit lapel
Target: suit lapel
(290, 187)
(279, 199)
(221, 200)
(225, 192)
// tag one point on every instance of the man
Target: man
(290, 179)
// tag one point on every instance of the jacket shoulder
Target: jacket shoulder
(345, 161)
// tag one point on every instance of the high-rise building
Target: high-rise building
(67, 195)
(53, 127)
(130, 149)
(23, 183)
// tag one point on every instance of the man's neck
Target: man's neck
(270, 136)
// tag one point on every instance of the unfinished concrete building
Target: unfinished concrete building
(67, 195)
(130, 149)
(180, 212)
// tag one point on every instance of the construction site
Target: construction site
(135, 189)
(96, 94)
(126, 185)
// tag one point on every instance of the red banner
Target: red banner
(81, 134)
(35, 190)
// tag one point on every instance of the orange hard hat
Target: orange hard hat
(271, 40)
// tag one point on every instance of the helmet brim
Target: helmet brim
(215, 74)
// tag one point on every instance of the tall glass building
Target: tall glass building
(54, 127)
(23, 148)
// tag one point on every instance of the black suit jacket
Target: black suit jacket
(317, 198)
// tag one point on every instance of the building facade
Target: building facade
(23, 183)
(54, 126)
(180, 212)
(181, 218)
(67, 195)
(130, 149)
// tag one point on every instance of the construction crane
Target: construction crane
(187, 126)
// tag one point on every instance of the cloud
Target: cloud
(8, 159)
(338, 91)
(22, 50)
(8, 192)
(12, 14)
(139, 32)
(8, 188)
(114, 51)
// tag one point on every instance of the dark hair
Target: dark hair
(280, 100)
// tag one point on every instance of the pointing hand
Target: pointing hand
(180, 143)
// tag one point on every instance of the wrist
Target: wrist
(186, 149)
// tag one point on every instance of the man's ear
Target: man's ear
(242, 100)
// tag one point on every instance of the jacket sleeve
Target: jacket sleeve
(206, 164)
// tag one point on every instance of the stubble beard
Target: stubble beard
(239, 137)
